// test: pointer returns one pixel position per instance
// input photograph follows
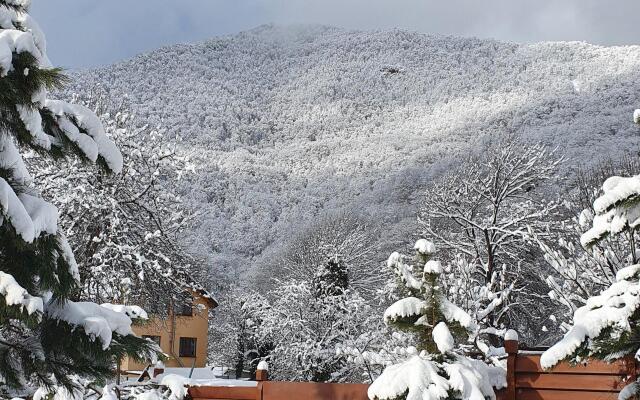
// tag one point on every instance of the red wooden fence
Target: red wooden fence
(595, 380)
(526, 380)
(283, 391)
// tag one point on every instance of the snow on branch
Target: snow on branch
(613, 308)
(98, 322)
(16, 295)
(93, 140)
(617, 210)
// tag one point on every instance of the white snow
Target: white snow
(422, 379)
(95, 142)
(406, 307)
(263, 365)
(627, 273)
(15, 41)
(29, 215)
(423, 246)
(108, 393)
(177, 385)
(433, 267)
(14, 211)
(97, 322)
(613, 307)
(43, 214)
(33, 122)
(134, 312)
(474, 379)
(10, 158)
(15, 295)
(69, 258)
(636, 116)
(417, 376)
(404, 271)
(511, 335)
(442, 337)
(585, 218)
(454, 313)
(614, 213)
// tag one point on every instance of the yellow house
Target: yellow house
(182, 335)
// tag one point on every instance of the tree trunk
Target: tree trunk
(240, 357)
(490, 260)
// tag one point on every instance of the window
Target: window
(184, 305)
(187, 347)
(153, 338)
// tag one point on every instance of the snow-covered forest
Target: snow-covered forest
(289, 130)
(361, 204)
(286, 125)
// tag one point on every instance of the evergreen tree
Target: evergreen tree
(608, 325)
(436, 368)
(46, 339)
(332, 277)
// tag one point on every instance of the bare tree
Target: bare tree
(481, 213)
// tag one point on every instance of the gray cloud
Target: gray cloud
(84, 33)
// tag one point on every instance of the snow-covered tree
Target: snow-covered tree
(310, 324)
(578, 273)
(316, 329)
(237, 338)
(46, 339)
(481, 212)
(126, 229)
(608, 325)
(350, 238)
(436, 367)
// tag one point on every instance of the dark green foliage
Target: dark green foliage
(332, 278)
(36, 349)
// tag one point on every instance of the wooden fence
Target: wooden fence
(596, 380)
(526, 380)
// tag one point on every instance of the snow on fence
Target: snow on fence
(526, 380)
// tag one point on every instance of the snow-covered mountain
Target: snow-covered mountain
(285, 123)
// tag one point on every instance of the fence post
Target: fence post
(262, 372)
(511, 348)
(262, 375)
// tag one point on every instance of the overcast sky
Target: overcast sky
(84, 33)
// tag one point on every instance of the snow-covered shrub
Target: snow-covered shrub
(437, 367)
(237, 338)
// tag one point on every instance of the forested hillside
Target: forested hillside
(285, 125)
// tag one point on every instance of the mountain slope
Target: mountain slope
(285, 123)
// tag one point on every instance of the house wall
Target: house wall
(195, 326)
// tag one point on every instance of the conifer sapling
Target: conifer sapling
(436, 368)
